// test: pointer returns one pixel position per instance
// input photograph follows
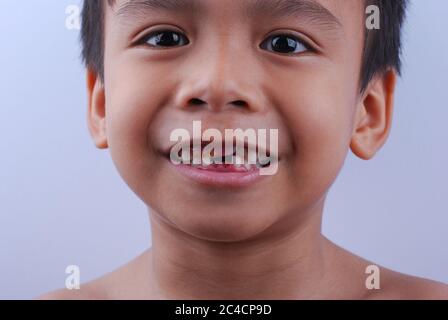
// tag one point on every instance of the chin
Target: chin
(222, 224)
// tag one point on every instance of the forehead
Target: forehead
(331, 12)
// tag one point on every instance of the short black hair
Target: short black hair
(382, 47)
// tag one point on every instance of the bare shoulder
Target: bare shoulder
(122, 283)
(403, 286)
(93, 290)
(397, 285)
(86, 292)
(390, 284)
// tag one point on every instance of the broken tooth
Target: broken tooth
(263, 160)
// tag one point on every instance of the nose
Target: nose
(222, 81)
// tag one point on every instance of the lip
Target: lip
(217, 176)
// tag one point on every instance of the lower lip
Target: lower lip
(220, 178)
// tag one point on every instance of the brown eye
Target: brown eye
(165, 39)
(285, 44)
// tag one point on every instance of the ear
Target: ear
(96, 114)
(373, 117)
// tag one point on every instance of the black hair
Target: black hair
(382, 47)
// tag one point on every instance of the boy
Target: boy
(309, 69)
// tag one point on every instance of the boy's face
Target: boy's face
(220, 53)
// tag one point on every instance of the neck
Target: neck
(285, 262)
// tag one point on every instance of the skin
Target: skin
(263, 242)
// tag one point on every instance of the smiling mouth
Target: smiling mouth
(243, 157)
(221, 170)
(222, 163)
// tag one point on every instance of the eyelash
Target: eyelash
(301, 42)
(179, 36)
(144, 40)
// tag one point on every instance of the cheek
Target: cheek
(130, 111)
(320, 124)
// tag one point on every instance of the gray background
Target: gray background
(62, 201)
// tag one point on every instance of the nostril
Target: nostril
(199, 102)
(240, 103)
(196, 101)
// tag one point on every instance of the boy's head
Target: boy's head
(308, 68)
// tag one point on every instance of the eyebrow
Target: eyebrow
(135, 7)
(307, 9)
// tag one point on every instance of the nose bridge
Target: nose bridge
(223, 81)
(221, 77)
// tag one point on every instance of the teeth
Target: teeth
(207, 160)
(252, 156)
(217, 160)
(197, 157)
(247, 166)
(228, 159)
(185, 158)
(238, 161)
(264, 161)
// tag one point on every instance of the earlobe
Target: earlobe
(373, 117)
(96, 114)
